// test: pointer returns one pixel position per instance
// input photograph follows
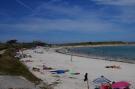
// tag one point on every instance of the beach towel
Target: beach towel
(59, 71)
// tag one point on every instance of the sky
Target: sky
(63, 21)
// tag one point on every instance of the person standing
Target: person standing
(86, 79)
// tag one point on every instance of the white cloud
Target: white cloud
(67, 10)
(23, 4)
(125, 8)
(75, 18)
(80, 19)
(116, 2)
(62, 25)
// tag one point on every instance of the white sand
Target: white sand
(2, 51)
(94, 67)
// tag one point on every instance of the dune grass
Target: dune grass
(9, 65)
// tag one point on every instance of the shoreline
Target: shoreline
(64, 51)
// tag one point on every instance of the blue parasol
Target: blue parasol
(101, 80)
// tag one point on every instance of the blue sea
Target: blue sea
(112, 53)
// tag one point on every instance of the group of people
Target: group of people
(108, 85)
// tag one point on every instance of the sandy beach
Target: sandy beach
(94, 67)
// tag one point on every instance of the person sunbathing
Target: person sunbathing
(113, 66)
(47, 68)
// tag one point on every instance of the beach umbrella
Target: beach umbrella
(101, 80)
(120, 84)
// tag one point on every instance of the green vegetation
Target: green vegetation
(9, 65)
(12, 66)
(93, 43)
(2, 46)
(15, 44)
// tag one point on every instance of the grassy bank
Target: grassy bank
(9, 65)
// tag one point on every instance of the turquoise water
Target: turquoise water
(121, 53)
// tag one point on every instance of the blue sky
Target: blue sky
(58, 21)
